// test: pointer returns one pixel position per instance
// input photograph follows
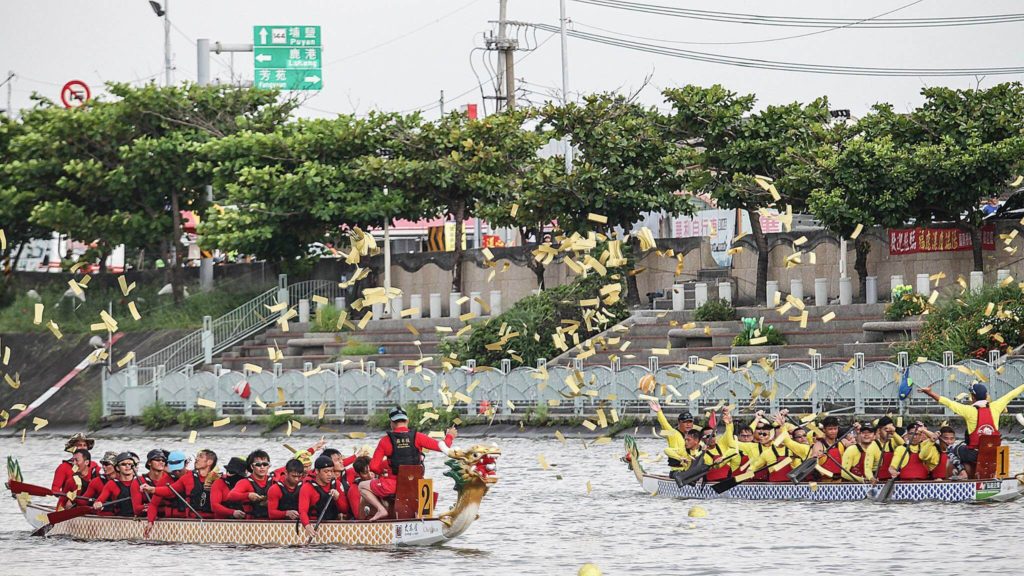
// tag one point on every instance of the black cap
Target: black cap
(325, 462)
(884, 421)
(236, 466)
(155, 454)
(830, 421)
(867, 425)
(685, 416)
(124, 456)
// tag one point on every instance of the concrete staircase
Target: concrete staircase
(836, 341)
(300, 345)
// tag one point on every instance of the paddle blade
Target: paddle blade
(64, 515)
(886, 492)
(724, 485)
(30, 489)
(802, 471)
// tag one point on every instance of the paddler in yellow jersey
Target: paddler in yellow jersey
(915, 459)
(683, 440)
(763, 454)
(720, 453)
(887, 440)
(862, 458)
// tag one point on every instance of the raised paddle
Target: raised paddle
(30, 489)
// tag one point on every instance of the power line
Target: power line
(402, 36)
(778, 65)
(804, 22)
(765, 41)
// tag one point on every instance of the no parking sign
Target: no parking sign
(74, 94)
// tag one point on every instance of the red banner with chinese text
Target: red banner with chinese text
(914, 240)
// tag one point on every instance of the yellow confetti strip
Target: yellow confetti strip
(192, 437)
(221, 422)
(857, 231)
(321, 411)
(39, 422)
(828, 317)
(38, 318)
(134, 311)
(514, 210)
(126, 359)
(252, 368)
(600, 219)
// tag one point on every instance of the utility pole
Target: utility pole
(565, 81)
(505, 91)
(10, 84)
(441, 103)
(167, 43)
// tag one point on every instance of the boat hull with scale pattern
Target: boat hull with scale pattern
(987, 490)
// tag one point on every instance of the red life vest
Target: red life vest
(858, 468)
(913, 468)
(832, 464)
(986, 427)
(721, 472)
(762, 474)
(780, 474)
(939, 472)
(887, 450)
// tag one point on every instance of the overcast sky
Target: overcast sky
(427, 47)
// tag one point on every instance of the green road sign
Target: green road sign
(287, 57)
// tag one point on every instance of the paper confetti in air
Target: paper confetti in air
(857, 231)
(38, 318)
(39, 422)
(205, 403)
(134, 311)
(192, 437)
(221, 422)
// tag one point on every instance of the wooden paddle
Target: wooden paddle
(692, 478)
(890, 484)
(730, 482)
(31, 489)
(804, 469)
(54, 518)
(318, 521)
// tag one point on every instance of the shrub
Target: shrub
(754, 328)
(354, 347)
(905, 303)
(541, 314)
(158, 415)
(274, 421)
(954, 326)
(715, 310)
(95, 419)
(326, 319)
(192, 419)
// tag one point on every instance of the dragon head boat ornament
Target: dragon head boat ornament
(474, 471)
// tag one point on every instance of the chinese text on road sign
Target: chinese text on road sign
(287, 57)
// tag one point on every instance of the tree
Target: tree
(303, 183)
(458, 164)
(961, 146)
(730, 147)
(625, 166)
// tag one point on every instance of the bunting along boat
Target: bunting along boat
(982, 490)
(473, 471)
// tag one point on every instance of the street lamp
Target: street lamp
(161, 11)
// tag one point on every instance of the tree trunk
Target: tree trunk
(460, 214)
(103, 261)
(632, 286)
(761, 242)
(976, 248)
(177, 278)
(863, 248)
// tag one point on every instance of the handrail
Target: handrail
(232, 327)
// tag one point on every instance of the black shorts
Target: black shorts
(966, 455)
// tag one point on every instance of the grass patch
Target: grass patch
(94, 421)
(158, 312)
(158, 416)
(355, 347)
(326, 319)
(201, 418)
(715, 310)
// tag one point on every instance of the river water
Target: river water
(544, 521)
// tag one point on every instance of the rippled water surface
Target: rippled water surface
(534, 522)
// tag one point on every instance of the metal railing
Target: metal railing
(869, 388)
(217, 335)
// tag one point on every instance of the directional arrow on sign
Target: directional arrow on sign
(264, 57)
(263, 35)
(312, 79)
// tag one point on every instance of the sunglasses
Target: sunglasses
(128, 464)
(260, 464)
(106, 463)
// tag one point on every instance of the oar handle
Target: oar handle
(320, 519)
(184, 501)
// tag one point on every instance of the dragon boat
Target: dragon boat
(473, 471)
(973, 490)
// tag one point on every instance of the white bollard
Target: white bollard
(435, 305)
(796, 288)
(303, 310)
(845, 291)
(894, 281)
(396, 308)
(871, 290)
(700, 294)
(454, 308)
(495, 302)
(725, 291)
(977, 281)
(339, 303)
(378, 311)
(1002, 275)
(771, 288)
(416, 303)
(821, 291)
(924, 285)
(677, 297)
(474, 304)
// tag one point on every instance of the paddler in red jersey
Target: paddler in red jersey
(321, 498)
(359, 472)
(78, 483)
(234, 472)
(107, 471)
(122, 491)
(981, 417)
(253, 490)
(190, 488)
(283, 496)
(400, 446)
(63, 472)
(156, 470)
